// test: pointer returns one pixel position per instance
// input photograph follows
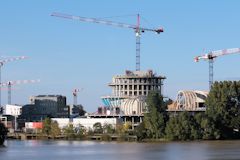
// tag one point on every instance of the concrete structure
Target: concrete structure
(189, 101)
(62, 122)
(9, 122)
(4, 119)
(129, 91)
(14, 110)
(43, 106)
(76, 111)
(87, 123)
(136, 83)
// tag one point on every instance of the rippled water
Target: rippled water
(84, 150)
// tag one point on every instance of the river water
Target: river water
(91, 150)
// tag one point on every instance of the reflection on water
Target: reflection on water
(75, 150)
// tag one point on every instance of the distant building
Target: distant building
(43, 106)
(76, 111)
(189, 101)
(8, 120)
(14, 110)
(86, 123)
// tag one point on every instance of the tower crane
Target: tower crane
(213, 55)
(137, 29)
(10, 83)
(2, 62)
(75, 94)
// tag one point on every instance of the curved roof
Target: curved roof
(133, 106)
(190, 100)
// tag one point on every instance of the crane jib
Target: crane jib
(136, 28)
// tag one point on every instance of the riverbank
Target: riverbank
(97, 137)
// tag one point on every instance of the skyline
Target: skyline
(68, 54)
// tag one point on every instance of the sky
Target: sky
(67, 54)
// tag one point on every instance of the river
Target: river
(91, 150)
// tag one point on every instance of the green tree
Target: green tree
(80, 131)
(47, 126)
(55, 130)
(69, 131)
(183, 127)
(156, 116)
(140, 132)
(3, 133)
(97, 128)
(223, 110)
(108, 129)
(51, 128)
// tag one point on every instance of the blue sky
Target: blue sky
(67, 54)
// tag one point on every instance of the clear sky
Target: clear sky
(67, 54)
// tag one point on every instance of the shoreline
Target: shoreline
(105, 138)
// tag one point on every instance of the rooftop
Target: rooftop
(139, 74)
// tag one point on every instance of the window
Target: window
(145, 87)
(130, 87)
(135, 87)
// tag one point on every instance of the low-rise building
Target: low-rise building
(87, 122)
(14, 110)
(43, 106)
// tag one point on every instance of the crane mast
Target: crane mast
(75, 94)
(213, 55)
(138, 30)
(2, 62)
(10, 83)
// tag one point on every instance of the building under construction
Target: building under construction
(129, 92)
(190, 101)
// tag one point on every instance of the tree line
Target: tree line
(52, 129)
(220, 121)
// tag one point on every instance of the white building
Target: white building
(62, 122)
(129, 91)
(14, 110)
(85, 122)
(89, 122)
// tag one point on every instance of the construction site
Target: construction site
(129, 93)
(129, 90)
